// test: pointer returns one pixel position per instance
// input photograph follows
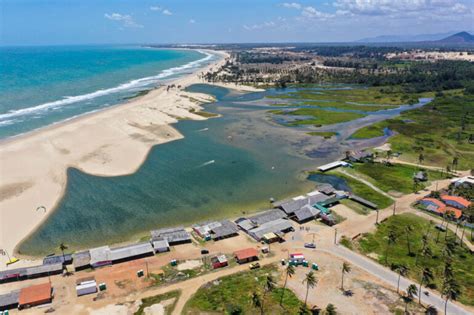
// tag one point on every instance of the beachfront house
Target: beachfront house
(65, 259)
(456, 201)
(174, 236)
(278, 227)
(216, 230)
(305, 214)
(246, 255)
(44, 270)
(270, 221)
(100, 256)
(359, 156)
(129, 252)
(219, 261)
(35, 295)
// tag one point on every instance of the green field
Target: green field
(319, 118)
(393, 178)
(232, 295)
(440, 130)
(361, 95)
(375, 245)
(364, 191)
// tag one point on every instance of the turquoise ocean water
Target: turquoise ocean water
(40, 86)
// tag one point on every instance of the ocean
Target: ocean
(40, 86)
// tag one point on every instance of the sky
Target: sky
(63, 22)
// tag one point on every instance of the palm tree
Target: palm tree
(330, 309)
(455, 162)
(408, 230)
(289, 272)
(449, 248)
(311, 282)
(424, 240)
(412, 291)
(346, 268)
(257, 302)
(421, 158)
(389, 155)
(392, 239)
(402, 270)
(63, 247)
(426, 277)
(450, 291)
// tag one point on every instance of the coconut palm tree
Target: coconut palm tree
(63, 247)
(411, 292)
(402, 270)
(311, 282)
(426, 277)
(421, 158)
(289, 272)
(391, 239)
(330, 309)
(408, 230)
(455, 162)
(424, 240)
(450, 291)
(346, 268)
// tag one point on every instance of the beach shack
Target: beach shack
(56, 259)
(44, 270)
(246, 255)
(35, 295)
(330, 166)
(174, 236)
(161, 246)
(129, 252)
(362, 201)
(305, 214)
(9, 300)
(216, 230)
(10, 275)
(278, 227)
(100, 256)
(86, 286)
(219, 261)
(81, 260)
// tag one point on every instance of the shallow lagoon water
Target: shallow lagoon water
(223, 167)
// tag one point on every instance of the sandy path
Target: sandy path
(367, 183)
(112, 142)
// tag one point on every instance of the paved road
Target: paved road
(391, 278)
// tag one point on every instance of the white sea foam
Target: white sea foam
(207, 163)
(122, 87)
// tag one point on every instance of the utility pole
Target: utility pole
(394, 206)
(335, 236)
(377, 217)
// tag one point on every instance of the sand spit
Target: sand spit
(112, 142)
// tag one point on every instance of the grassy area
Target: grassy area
(319, 117)
(393, 178)
(324, 134)
(440, 130)
(372, 95)
(233, 294)
(375, 245)
(357, 207)
(364, 191)
(160, 298)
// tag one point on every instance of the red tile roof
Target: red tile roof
(457, 213)
(35, 294)
(246, 253)
(457, 199)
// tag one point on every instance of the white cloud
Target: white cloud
(312, 13)
(401, 8)
(125, 19)
(192, 21)
(161, 9)
(167, 12)
(252, 27)
(291, 5)
(156, 8)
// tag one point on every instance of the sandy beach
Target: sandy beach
(111, 142)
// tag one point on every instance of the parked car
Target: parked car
(309, 245)
(204, 252)
(254, 265)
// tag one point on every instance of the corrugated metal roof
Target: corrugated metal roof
(305, 213)
(37, 270)
(81, 259)
(131, 251)
(172, 235)
(8, 299)
(67, 258)
(246, 224)
(275, 226)
(160, 244)
(267, 216)
(99, 254)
